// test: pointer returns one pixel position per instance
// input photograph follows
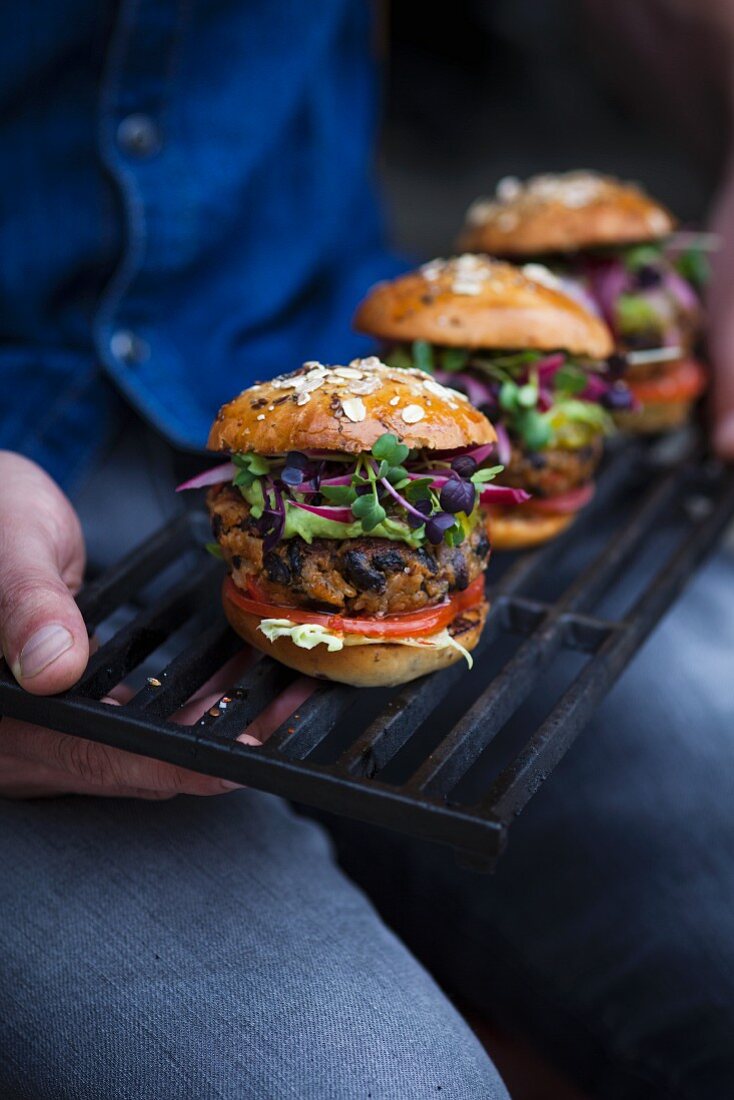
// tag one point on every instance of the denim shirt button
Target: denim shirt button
(138, 136)
(128, 348)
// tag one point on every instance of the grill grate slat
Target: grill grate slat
(163, 694)
(401, 757)
(248, 698)
(138, 638)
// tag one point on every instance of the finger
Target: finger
(23, 779)
(215, 687)
(277, 712)
(43, 635)
(90, 767)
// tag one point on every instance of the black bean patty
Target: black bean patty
(364, 576)
(552, 471)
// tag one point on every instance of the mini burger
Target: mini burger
(528, 356)
(614, 248)
(348, 515)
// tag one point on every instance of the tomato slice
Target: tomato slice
(681, 381)
(429, 620)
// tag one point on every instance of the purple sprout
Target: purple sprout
(437, 526)
(457, 495)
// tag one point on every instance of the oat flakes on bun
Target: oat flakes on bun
(348, 514)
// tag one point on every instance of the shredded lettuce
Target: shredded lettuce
(573, 424)
(309, 635)
(635, 313)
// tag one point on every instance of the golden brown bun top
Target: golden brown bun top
(476, 302)
(348, 409)
(562, 213)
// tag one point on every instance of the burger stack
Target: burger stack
(530, 357)
(357, 505)
(615, 249)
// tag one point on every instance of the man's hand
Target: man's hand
(44, 641)
(721, 322)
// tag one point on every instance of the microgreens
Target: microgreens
(423, 355)
(570, 379)
(536, 394)
(641, 255)
(388, 449)
(454, 359)
(694, 265)
(250, 466)
(415, 492)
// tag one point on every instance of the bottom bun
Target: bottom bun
(518, 529)
(382, 665)
(654, 417)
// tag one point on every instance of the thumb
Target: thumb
(43, 636)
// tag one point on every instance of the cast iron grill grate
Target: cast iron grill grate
(453, 757)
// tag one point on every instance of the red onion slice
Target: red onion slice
(504, 448)
(214, 476)
(339, 515)
(501, 494)
(549, 367)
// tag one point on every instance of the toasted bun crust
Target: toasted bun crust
(476, 302)
(654, 417)
(562, 213)
(381, 665)
(514, 529)
(347, 409)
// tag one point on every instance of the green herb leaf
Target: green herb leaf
(527, 396)
(570, 379)
(454, 359)
(243, 479)
(418, 489)
(487, 474)
(339, 494)
(256, 464)
(641, 255)
(534, 430)
(369, 511)
(394, 474)
(398, 357)
(388, 449)
(518, 359)
(363, 505)
(695, 266)
(636, 314)
(454, 536)
(214, 549)
(423, 355)
(508, 396)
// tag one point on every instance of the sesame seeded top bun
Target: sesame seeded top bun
(476, 302)
(347, 409)
(562, 213)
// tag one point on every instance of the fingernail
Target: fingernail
(724, 437)
(41, 650)
(228, 786)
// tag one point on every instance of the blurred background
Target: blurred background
(480, 89)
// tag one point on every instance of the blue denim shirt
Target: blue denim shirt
(186, 206)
